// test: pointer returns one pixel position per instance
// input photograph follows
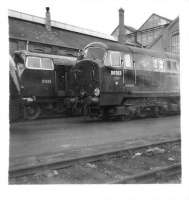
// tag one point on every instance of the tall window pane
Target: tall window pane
(174, 43)
(115, 59)
(33, 62)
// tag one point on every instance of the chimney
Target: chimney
(121, 36)
(48, 19)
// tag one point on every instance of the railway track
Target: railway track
(152, 176)
(118, 167)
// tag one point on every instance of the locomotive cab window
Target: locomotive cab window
(158, 64)
(161, 65)
(113, 59)
(33, 62)
(171, 66)
(107, 61)
(174, 66)
(47, 64)
(127, 61)
(168, 66)
(39, 63)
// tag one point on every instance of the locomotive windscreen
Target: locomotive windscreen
(94, 53)
(39, 63)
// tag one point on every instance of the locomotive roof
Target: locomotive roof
(57, 59)
(127, 48)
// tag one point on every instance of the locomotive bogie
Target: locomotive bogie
(34, 109)
(137, 107)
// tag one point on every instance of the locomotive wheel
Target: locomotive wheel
(141, 113)
(32, 112)
(122, 117)
(126, 117)
(156, 112)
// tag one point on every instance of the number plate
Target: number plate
(116, 73)
(46, 81)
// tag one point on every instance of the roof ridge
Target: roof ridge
(162, 17)
(128, 26)
(150, 17)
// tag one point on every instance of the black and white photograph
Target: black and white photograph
(94, 93)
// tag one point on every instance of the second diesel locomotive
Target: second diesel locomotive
(123, 81)
(41, 83)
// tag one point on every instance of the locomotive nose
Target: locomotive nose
(88, 78)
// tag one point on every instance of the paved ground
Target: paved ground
(44, 137)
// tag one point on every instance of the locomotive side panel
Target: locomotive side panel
(38, 83)
(153, 75)
(112, 80)
(147, 78)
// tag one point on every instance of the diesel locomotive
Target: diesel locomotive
(40, 82)
(115, 80)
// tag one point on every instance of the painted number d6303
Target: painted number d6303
(116, 72)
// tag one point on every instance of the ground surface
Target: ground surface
(31, 140)
(114, 168)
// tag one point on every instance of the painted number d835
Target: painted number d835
(46, 81)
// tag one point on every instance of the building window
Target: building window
(139, 37)
(150, 37)
(144, 38)
(174, 43)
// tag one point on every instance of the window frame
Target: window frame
(158, 61)
(155, 62)
(93, 47)
(41, 66)
(107, 56)
(110, 56)
(118, 52)
(175, 43)
(131, 61)
(171, 64)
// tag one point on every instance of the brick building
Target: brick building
(156, 32)
(45, 35)
(168, 40)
